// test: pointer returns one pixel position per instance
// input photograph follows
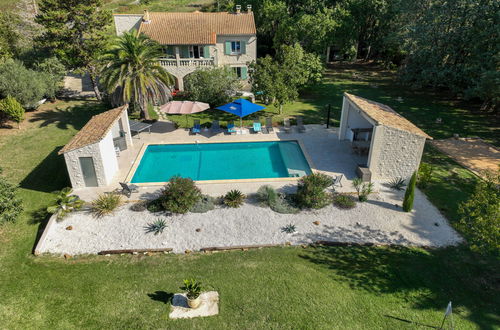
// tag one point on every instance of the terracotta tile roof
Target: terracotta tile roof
(95, 129)
(196, 28)
(385, 115)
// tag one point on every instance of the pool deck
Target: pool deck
(324, 152)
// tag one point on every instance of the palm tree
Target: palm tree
(132, 73)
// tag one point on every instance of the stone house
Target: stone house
(391, 144)
(91, 155)
(198, 40)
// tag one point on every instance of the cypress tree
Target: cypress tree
(410, 193)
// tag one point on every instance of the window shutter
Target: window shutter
(227, 48)
(244, 75)
(184, 52)
(206, 51)
(243, 46)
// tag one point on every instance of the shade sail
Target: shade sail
(241, 107)
(184, 107)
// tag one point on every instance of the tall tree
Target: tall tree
(132, 72)
(76, 31)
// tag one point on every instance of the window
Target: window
(235, 47)
(169, 51)
(240, 72)
(237, 71)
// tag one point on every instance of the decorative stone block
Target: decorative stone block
(209, 306)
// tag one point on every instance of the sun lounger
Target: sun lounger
(137, 127)
(269, 125)
(337, 180)
(128, 189)
(300, 124)
(286, 125)
(231, 129)
(215, 127)
(196, 129)
(257, 127)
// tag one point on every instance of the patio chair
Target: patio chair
(286, 125)
(337, 180)
(230, 128)
(269, 125)
(128, 189)
(257, 127)
(300, 124)
(215, 129)
(196, 129)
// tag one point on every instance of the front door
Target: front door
(88, 171)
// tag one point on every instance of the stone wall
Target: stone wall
(395, 153)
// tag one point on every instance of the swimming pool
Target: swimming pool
(222, 161)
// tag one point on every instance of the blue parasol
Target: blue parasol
(241, 108)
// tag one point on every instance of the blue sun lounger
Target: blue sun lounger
(231, 129)
(196, 127)
(257, 127)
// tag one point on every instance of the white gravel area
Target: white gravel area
(376, 221)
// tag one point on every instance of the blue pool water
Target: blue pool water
(222, 161)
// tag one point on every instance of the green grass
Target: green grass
(343, 288)
(127, 6)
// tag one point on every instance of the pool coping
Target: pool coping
(139, 156)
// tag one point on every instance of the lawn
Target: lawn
(344, 288)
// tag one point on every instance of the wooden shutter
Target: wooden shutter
(206, 51)
(184, 51)
(227, 48)
(243, 47)
(244, 75)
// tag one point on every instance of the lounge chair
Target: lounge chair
(215, 129)
(269, 125)
(230, 128)
(257, 127)
(337, 180)
(128, 189)
(300, 124)
(196, 129)
(286, 125)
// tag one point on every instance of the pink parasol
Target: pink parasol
(184, 107)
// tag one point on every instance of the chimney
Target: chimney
(249, 8)
(238, 9)
(145, 17)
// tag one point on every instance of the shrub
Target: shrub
(156, 227)
(106, 204)
(266, 194)
(12, 109)
(363, 189)
(283, 204)
(234, 198)
(10, 205)
(424, 174)
(205, 204)
(180, 195)
(192, 288)
(65, 203)
(397, 183)
(343, 201)
(311, 192)
(139, 206)
(212, 85)
(410, 193)
(479, 216)
(155, 206)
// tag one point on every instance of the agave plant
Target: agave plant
(289, 229)
(65, 203)
(397, 183)
(156, 227)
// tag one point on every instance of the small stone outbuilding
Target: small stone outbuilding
(392, 145)
(92, 155)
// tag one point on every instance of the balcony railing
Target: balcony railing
(169, 62)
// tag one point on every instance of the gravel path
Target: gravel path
(376, 221)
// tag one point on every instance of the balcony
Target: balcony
(189, 62)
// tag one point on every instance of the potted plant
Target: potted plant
(193, 290)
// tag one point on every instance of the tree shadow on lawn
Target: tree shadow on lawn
(72, 116)
(161, 296)
(428, 279)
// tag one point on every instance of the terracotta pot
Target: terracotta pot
(194, 303)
